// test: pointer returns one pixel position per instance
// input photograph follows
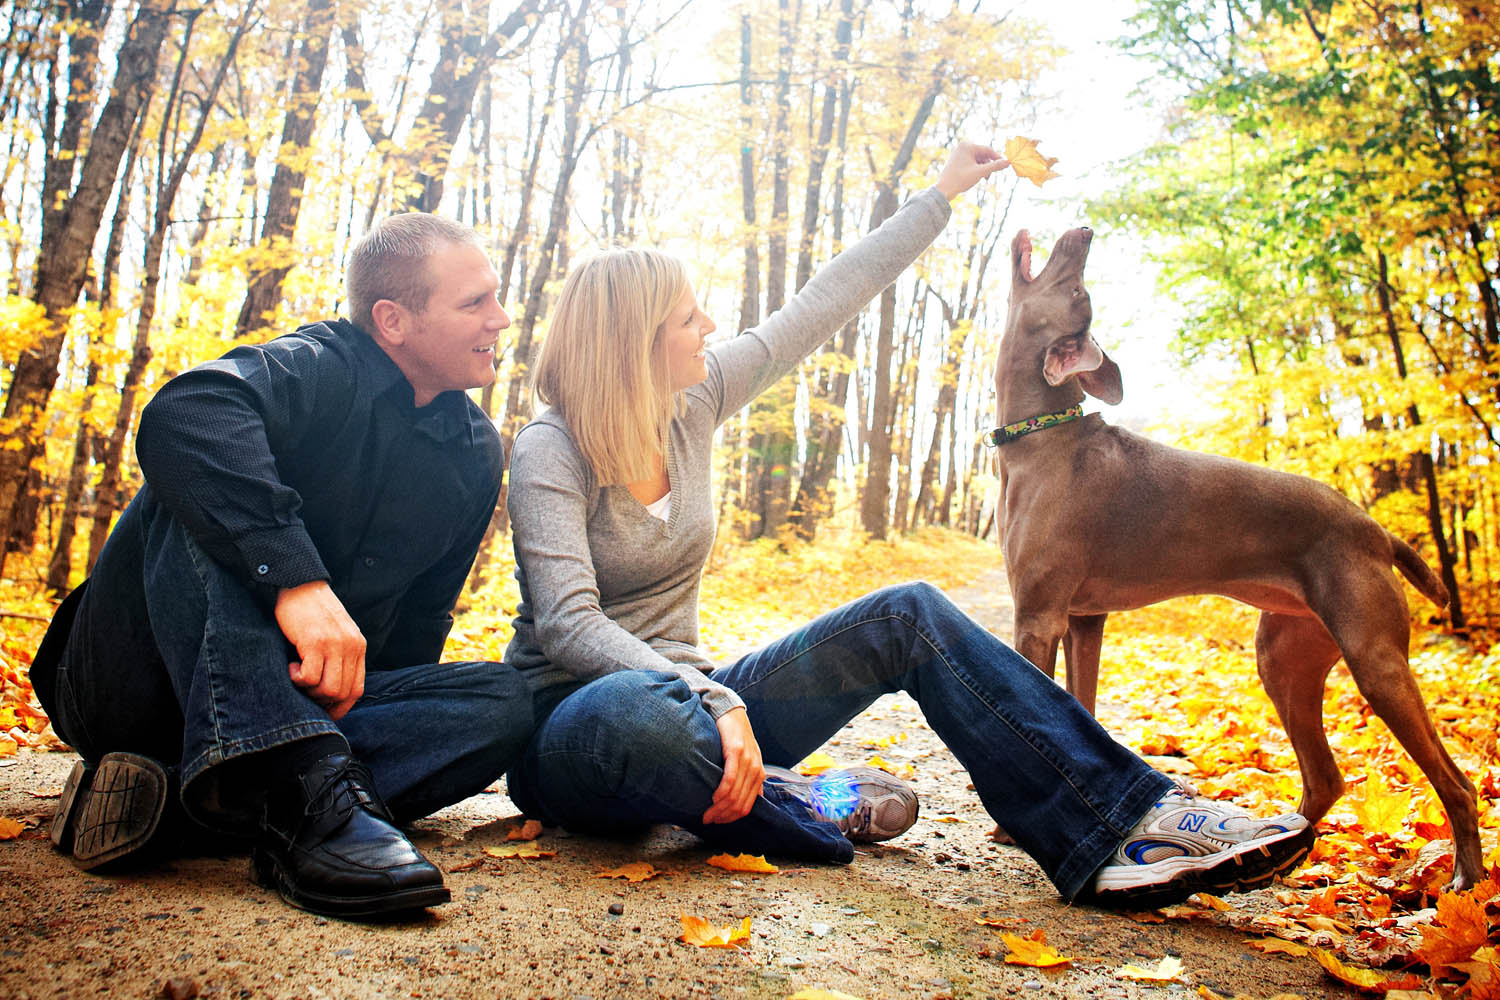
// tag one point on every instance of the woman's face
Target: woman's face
(682, 338)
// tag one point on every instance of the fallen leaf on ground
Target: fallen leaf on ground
(1458, 932)
(636, 871)
(1273, 945)
(529, 830)
(9, 828)
(815, 764)
(812, 993)
(1365, 979)
(902, 771)
(1168, 970)
(525, 849)
(1211, 901)
(948, 819)
(743, 863)
(699, 932)
(1484, 975)
(46, 793)
(1027, 162)
(1032, 951)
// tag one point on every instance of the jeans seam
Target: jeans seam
(207, 649)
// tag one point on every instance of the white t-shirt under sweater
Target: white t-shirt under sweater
(607, 586)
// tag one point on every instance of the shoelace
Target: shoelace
(345, 789)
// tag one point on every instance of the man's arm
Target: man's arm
(207, 444)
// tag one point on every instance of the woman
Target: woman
(610, 504)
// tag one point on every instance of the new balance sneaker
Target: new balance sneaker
(867, 804)
(1186, 844)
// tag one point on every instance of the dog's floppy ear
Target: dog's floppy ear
(1103, 383)
(1080, 356)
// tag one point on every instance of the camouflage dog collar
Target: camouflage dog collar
(1021, 428)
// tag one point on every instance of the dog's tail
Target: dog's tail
(1416, 570)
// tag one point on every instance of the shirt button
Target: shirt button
(369, 560)
(262, 569)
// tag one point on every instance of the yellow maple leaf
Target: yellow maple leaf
(815, 764)
(1027, 162)
(529, 830)
(1365, 979)
(526, 849)
(10, 829)
(743, 863)
(1032, 951)
(699, 932)
(1380, 807)
(1168, 970)
(636, 871)
(1459, 931)
(813, 993)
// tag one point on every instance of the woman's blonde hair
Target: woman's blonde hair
(601, 366)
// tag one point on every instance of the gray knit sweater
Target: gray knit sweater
(605, 585)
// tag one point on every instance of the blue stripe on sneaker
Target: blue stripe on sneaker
(1138, 850)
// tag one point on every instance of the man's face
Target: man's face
(450, 344)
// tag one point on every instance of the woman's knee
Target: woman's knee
(647, 717)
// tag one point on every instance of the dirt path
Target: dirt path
(902, 921)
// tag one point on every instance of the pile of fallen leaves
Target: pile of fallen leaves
(1371, 905)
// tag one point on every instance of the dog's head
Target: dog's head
(1047, 328)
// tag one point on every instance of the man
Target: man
(256, 650)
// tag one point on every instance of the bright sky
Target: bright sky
(1100, 122)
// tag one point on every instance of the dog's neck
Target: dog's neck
(1007, 433)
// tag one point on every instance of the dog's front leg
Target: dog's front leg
(1081, 653)
(1036, 636)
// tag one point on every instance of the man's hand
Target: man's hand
(330, 649)
(967, 165)
(744, 774)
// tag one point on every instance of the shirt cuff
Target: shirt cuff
(281, 558)
(719, 699)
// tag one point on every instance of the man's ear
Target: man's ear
(390, 321)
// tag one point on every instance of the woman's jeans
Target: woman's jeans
(172, 657)
(636, 747)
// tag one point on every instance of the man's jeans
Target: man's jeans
(172, 657)
(636, 747)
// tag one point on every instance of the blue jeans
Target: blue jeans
(637, 747)
(171, 656)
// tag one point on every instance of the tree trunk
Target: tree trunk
(875, 498)
(284, 202)
(772, 445)
(60, 567)
(62, 267)
(1422, 460)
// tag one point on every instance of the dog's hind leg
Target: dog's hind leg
(1081, 654)
(1371, 627)
(1293, 654)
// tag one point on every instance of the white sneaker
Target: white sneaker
(867, 804)
(1186, 844)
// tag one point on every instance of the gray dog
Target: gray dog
(1096, 519)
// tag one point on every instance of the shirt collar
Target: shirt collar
(447, 416)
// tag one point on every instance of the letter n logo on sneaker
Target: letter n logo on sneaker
(1192, 822)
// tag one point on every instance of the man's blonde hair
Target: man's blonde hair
(601, 366)
(391, 262)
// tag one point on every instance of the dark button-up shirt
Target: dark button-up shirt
(305, 459)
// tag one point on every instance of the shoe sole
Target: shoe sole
(61, 830)
(115, 810)
(1254, 867)
(267, 873)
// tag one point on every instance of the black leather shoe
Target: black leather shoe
(329, 845)
(110, 813)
